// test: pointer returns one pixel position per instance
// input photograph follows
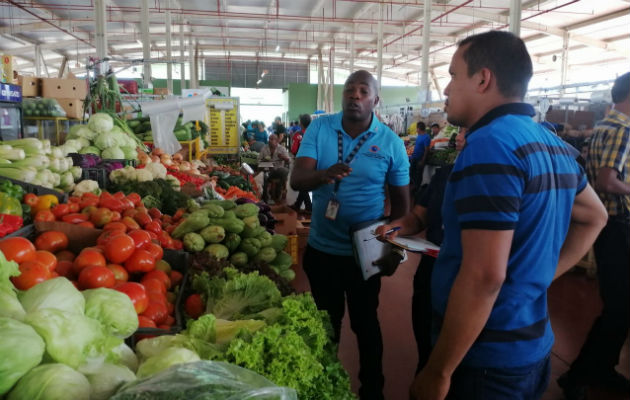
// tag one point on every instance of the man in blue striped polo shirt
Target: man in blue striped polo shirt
(517, 211)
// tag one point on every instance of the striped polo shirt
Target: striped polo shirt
(515, 175)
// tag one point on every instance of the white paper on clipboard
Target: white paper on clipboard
(365, 252)
(416, 244)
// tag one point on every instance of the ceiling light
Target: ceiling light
(277, 47)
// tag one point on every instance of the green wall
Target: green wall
(303, 97)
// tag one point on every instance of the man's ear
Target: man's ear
(485, 78)
(376, 100)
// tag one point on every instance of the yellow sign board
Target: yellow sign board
(222, 118)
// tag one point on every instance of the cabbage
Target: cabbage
(56, 293)
(9, 304)
(51, 382)
(105, 140)
(69, 337)
(106, 378)
(76, 172)
(129, 152)
(83, 142)
(113, 153)
(167, 358)
(74, 145)
(81, 131)
(113, 309)
(123, 355)
(101, 123)
(90, 150)
(21, 349)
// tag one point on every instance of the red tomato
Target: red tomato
(129, 213)
(119, 248)
(64, 268)
(153, 226)
(136, 293)
(101, 216)
(47, 259)
(156, 311)
(159, 275)
(178, 244)
(116, 216)
(75, 218)
(153, 236)
(170, 307)
(118, 226)
(88, 201)
(155, 213)
(134, 198)
(87, 258)
(65, 255)
(111, 203)
(142, 209)
(74, 206)
(31, 273)
(144, 322)
(170, 321)
(30, 199)
(119, 195)
(140, 261)
(17, 249)
(44, 216)
(176, 278)
(154, 285)
(165, 239)
(74, 199)
(155, 250)
(130, 223)
(179, 214)
(95, 276)
(194, 306)
(107, 235)
(140, 237)
(60, 210)
(52, 241)
(142, 218)
(156, 294)
(120, 273)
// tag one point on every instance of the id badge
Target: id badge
(332, 209)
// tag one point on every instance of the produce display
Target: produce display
(183, 132)
(40, 107)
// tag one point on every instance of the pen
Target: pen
(394, 229)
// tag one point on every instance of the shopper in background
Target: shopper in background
(426, 214)
(281, 132)
(608, 169)
(419, 156)
(347, 159)
(303, 195)
(435, 130)
(261, 135)
(273, 152)
(505, 222)
(275, 182)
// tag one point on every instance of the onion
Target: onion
(155, 159)
(177, 157)
(157, 151)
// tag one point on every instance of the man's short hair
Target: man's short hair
(505, 55)
(435, 125)
(421, 125)
(621, 88)
(305, 120)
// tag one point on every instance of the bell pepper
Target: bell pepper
(45, 202)
(10, 205)
(9, 224)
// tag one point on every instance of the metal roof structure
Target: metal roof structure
(570, 41)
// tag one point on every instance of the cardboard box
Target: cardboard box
(31, 86)
(160, 91)
(72, 107)
(287, 220)
(302, 232)
(64, 88)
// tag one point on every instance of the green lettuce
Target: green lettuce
(21, 349)
(51, 382)
(113, 309)
(167, 358)
(58, 293)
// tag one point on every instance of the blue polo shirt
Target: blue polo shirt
(515, 175)
(382, 159)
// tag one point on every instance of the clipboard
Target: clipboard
(416, 245)
(365, 252)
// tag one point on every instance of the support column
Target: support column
(38, 61)
(565, 61)
(146, 42)
(379, 46)
(331, 80)
(101, 35)
(182, 49)
(191, 62)
(425, 89)
(320, 80)
(515, 17)
(169, 54)
(354, 32)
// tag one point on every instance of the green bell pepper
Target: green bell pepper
(10, 205)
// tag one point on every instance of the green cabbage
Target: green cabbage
(101, 123)
(106, 378)
(51, 382)
(90, 150)
(123, 355)
(9, 305)
(113, 309)
(113, 153)
(56, 293)
(81, 131)
(21, 349)
(70, 338)
(105, 140)
(129, 152)
(167, 358)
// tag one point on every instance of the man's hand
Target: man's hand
(337, 171)
(429, 386)
(388, 263)
(381, 234)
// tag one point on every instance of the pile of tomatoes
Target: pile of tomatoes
(127, 260)
(118, 209)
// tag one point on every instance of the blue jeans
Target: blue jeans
(521, 383)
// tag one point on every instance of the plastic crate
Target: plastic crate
(179, 261)
(95, 174)
(292, 248)
(125, 163)
(38, 190)
(27, 231)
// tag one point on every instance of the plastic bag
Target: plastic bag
(204, 380)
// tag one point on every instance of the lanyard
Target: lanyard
(350, 156)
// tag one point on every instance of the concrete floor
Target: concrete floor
(573, 305)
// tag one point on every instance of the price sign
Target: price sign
(222, 119)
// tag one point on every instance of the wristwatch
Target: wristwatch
(400, 252)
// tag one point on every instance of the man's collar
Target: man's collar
(503, 109)
(374, 126)
(619, 116)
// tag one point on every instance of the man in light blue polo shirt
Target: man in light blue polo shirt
(348, 160)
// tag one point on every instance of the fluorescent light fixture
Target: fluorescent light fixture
(259, 81)
(277, 47)
(139, 42)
